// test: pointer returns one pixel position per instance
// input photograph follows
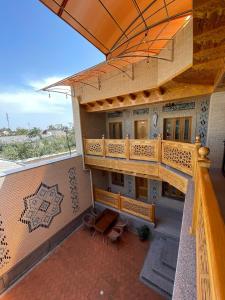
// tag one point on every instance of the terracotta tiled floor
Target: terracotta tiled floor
(83, 266)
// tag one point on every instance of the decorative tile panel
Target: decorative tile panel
(73, 185)
(141, 111)
(41, 207)
(203, 120)
(130, 185)
(178, 106)
(154, 190)
(4, 251)
(115, 114)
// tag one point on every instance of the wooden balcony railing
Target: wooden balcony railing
(209, 228)
(137, 208)
(181, 156)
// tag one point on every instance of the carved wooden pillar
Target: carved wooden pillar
(203, 160)
(103, 145)
(159, 138)
(127, 147)
(196, 154)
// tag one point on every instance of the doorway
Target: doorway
(177, 129)
(141, 129)
(115, 130)
(141, 185)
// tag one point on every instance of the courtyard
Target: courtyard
(84, 267)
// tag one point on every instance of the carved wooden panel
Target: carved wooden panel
(94, 147)
(178, 155)
(115, 148)
(140, 209)
(144, 150)
(106, 197)
(128, 167)
(137, 208)
(179, 182)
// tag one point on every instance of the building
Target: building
(145, 121)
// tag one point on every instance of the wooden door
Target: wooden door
(141, 188)
(141, 129)
(115, 130)
(177, 129)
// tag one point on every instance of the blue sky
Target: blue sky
(37, 48)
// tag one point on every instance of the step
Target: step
(158, 266)
(151, 277)
(170, 253)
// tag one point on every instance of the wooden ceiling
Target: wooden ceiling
(207, 73)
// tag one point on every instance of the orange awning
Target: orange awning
(124, 28)
(126, 31)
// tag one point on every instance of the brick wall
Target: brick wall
(36, 204)
(216, 129)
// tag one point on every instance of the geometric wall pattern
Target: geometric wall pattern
(73, 184)
(41, 207)
(154, 187)
(4, 251)
(130, 186)
(203, 120)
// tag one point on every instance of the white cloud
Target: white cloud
(30, 100)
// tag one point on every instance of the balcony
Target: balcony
(124, 204)
(154, 159)
(172, 162)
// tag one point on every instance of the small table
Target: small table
(105, 220)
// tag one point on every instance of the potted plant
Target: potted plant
(143, 232)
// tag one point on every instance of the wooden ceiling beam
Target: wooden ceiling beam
(146, 94)
(133, 96)
(172, 91)
(120, 98)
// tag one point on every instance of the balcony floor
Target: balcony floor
(82, 266)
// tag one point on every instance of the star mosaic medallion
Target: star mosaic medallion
(41, 207)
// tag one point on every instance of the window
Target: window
(177, 129)
(117, 179)
(171, 192)
(115, 130)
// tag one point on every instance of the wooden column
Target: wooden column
(127, 147)
(103, 145)
(159, 138)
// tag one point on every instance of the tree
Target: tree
(21, 131)
(34, 132)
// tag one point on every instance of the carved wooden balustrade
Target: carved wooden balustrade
(144, 149)
(116, 148)
(107, 198)
(209, 228)
(181, 156)
(134, 207)
(94, 147)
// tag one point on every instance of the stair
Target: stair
(159, 267)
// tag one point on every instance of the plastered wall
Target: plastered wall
(199, 126)
(216, 129)
(36, 203)
(199, 116)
